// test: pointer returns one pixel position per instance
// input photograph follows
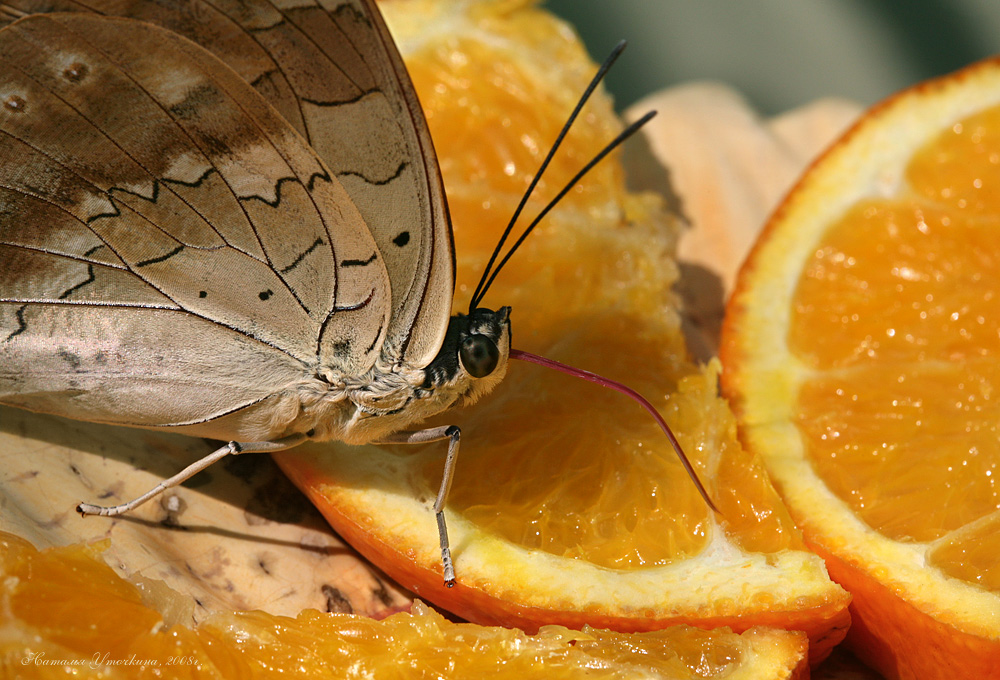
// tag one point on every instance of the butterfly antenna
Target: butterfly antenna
(625, 134)
(480, 291)
(628, 391)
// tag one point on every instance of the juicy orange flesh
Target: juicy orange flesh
(548, 461)
(896, 313)
(66, 607)
(971, 555)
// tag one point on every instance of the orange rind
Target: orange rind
(861, 350)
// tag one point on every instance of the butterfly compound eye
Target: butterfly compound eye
(479, 355)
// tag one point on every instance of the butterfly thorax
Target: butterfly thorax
(471, 362)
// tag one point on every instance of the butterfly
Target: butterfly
(248, 244)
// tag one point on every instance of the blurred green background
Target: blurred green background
(783, 53)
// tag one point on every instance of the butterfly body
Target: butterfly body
(191, 262)
(320, 403)
(252, 245)
(369, 408)
(175, 253)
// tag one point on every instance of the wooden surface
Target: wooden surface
(237, 536)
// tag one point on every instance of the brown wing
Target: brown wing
(170, 249)
(330, 67)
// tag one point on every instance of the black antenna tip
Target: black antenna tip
(648, 116)
(612, 56)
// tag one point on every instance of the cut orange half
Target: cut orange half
(63, 612)
(862, 354)
(568, 506)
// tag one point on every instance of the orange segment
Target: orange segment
(969, 554)
(44, 596)
(568, 506)
(861, 352)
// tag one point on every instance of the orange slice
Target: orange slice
(64, 612)
(569, 505)
(862, 353)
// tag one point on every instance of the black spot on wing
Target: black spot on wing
(265, 294)
(402, 238)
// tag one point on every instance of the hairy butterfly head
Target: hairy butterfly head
(473, 357)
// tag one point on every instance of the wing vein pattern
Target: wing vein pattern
(153, 180)
(332, 71)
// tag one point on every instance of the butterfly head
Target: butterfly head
(473, 358)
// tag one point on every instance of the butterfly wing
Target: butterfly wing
(171, 251)
(392, 174)
(331, 69)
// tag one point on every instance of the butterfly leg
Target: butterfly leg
(230, 449)
(453, 433)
